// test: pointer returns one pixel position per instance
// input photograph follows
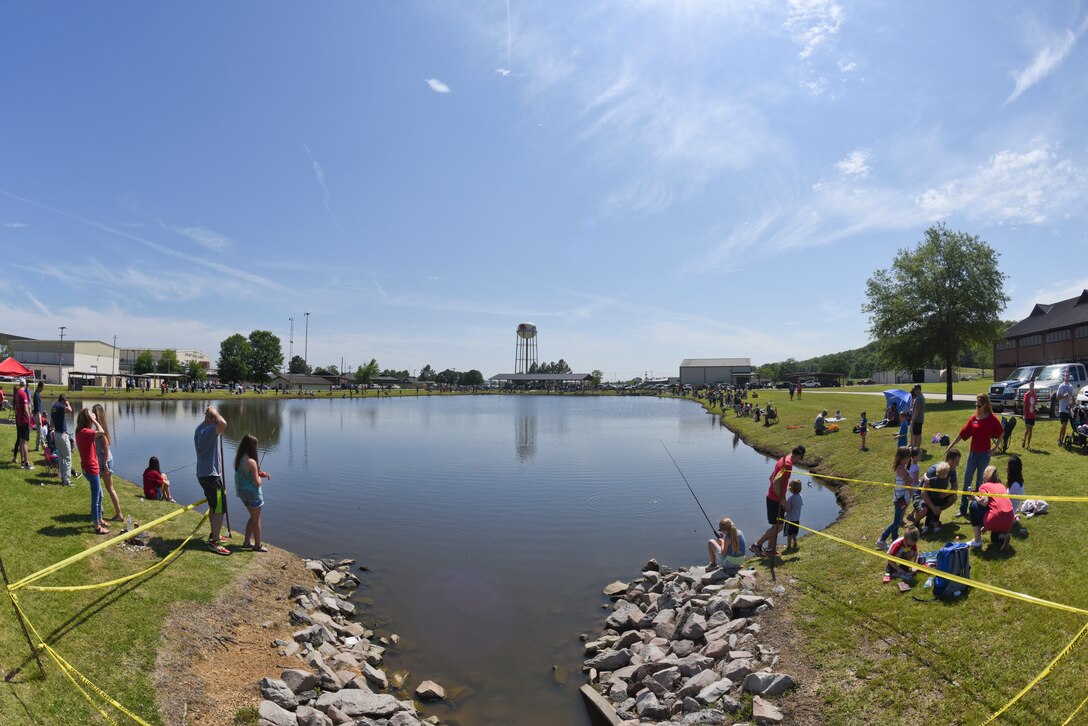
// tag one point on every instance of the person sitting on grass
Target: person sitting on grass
(905, 548)
(818, 425)
(991, 513)
(1014, 475)
(156, 485)
(728, 547)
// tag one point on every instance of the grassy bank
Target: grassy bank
(110, 635)
(886, 658)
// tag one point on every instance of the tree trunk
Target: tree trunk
(950, 371)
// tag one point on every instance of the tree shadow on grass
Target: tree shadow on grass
(945, 667)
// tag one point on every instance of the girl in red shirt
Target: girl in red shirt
(982, 430)
(992, 513)
(87, 430)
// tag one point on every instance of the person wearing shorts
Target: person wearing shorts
(22, 425)
(1030, 400)
(1065, 405)
(209, 472)
(776, 498)
(917, 415)
(247, 485)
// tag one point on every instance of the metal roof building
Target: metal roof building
(715, 371)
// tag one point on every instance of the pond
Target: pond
(489, 523)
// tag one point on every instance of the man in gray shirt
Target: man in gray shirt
(1065, 405)
(209, 472)
(917, 415)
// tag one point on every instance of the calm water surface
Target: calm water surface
(490, 523)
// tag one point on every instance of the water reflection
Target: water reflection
(525, 437)
(253, 417)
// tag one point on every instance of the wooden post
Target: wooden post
(22, 623)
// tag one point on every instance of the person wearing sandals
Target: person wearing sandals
(103, 447)
(209, 472)
(776, 500)
(87, 431)
(247, 485)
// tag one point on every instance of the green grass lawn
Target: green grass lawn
(109, 635)
(886, 658)
(976, 385)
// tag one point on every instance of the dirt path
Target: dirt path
(214, 654)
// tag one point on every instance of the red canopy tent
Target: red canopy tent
(12, 367)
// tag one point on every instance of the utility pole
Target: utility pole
(291, 341)
(60, 353)
(114, 366)
(306, 350)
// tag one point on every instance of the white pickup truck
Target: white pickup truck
(1046, 386)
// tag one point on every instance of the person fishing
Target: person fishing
(209, 472)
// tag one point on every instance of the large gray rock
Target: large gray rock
(338, 717)
(764, 712)
(767, 684)
(714, 691)
(708, 716)
(375, 676)
(748, 602)
(610, 660)
(403, 718)
(647, 706)
(694, 627)
(430, 691)
(737, 670)
(275, 715)
(312, 717)
(278, 692)
(716, 649)
(697, 683)
(681, 648)
(355, 702)
(615, 588)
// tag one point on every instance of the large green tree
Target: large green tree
(471, 378)
(937, 300)
(233, 361)
(427, 373)
(265, 356)
(597, 375)
(364, 374)
(298, 365)
(195, 371)
(144, 363)
(168, 362)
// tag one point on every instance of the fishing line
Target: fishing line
(268, 442)
(712, 527)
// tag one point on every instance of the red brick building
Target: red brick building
(1054, 333)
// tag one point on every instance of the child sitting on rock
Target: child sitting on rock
(156, 485)
(728, 546)
(905, 548)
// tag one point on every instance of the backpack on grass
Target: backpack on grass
(955, 559)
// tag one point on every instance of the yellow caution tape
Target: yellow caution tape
(154, 568)
(1069, 720)
(949, 576)
(99, 547)
(70, 672)
(1049, 498)
(1046, 671)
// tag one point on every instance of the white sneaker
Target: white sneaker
(881, 544)
(976, 543)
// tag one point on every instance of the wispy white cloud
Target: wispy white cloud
(812, 24)
(206, 238)
(1011, 187)
(437, 86)
(1054, 292)
(227, 272)
(319, 173)
(16, 225)
(856, 164)
(1055, 48)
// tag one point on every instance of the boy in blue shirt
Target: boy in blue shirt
(904, 429)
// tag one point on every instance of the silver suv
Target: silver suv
(1003, 393)
(1046, 386)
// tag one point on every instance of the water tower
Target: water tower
(525, 350)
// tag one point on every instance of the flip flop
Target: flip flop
(218, 549)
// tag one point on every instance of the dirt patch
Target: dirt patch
(778, 630)
(214, 654)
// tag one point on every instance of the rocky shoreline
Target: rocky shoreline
(339, 678)
(683, 646)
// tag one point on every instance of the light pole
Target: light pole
(113, 373)
(291, 341)
(306, 349)
(60, 347)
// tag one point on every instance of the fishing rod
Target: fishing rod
(712, 527)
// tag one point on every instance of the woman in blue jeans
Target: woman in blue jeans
(983, 430)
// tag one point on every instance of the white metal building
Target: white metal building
(713, 371)
(53, 360)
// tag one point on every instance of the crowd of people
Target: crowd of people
(90, 438)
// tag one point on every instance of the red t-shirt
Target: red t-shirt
(88, 457)
(782, 470)
(999, 515)
(22, 406)
(152, 483)
(904, 550)
(1030, 399)
(979, 431)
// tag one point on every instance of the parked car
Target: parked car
(1046, 386)
(1082, 397)
(812, 384)
(1003, 393)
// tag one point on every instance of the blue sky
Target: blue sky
(646, 181)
